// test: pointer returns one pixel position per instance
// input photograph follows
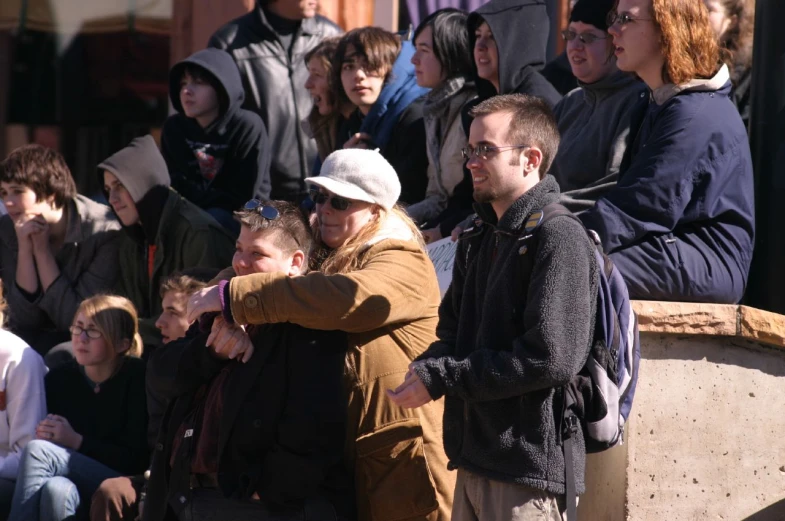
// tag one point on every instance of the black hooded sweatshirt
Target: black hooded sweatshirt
(228, 162)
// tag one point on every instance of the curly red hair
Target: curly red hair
(688, 43)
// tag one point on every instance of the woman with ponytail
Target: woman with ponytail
(97, 424)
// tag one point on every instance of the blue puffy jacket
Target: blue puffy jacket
(680, 223)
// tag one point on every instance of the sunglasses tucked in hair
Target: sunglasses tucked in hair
(292, 230)
(268, 212)
(337, 202)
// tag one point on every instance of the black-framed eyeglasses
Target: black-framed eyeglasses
(584, 38)
(337, 202)
(91, 333)
(482, 151)
(268, 212)
(623, 18)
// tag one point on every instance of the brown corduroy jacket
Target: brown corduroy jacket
(389, 309)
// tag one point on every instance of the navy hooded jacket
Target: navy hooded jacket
(680, 222)
(228, 162)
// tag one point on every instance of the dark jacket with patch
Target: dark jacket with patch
(283, 421)
(502, 356)
(182, 234)
(274, 79)
(228, 162)
(680, 222)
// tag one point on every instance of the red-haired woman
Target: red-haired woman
(680, 222)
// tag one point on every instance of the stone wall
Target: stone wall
(705, 440)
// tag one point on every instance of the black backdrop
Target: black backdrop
(766, 288)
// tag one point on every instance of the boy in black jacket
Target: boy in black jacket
(217, 153)
(260, 436)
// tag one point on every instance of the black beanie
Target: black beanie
(592, 12)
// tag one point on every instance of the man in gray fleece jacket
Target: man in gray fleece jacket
(504, 354)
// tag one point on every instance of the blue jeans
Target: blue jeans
(52, 480)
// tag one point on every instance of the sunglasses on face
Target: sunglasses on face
(91, 333)
(584, 38)
(623, 18)
(268, 212)
(338, 203)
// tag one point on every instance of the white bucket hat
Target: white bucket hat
(361, 175)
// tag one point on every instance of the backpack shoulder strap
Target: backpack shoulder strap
(473, 237)
(528, 240)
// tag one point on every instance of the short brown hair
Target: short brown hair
(688, 43)
(41, 169)
(181, 283)
(291, 226)
(532, 123)
(378, 47)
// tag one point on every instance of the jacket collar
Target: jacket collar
(74, 210)
(543, 193)
(607, 86)
(308, 26)
(84, 218)
(393, 228)
(669, 90)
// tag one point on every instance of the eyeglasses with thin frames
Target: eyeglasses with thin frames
(482, 151)
(623, 18)
(91, 333)
(337, 202)
(268, 212)
(584, 38)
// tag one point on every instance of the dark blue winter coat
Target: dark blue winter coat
(680, 223)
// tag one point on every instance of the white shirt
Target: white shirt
(22, 372)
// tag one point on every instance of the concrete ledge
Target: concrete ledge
(686, 318)
(704, 441)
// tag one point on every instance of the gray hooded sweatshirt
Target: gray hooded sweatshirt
(595, 123)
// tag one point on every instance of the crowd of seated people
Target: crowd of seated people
(213, 343)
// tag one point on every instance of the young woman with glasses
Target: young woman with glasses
(97, 423)
(595, 120)
(373, 280)
(679, 224)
